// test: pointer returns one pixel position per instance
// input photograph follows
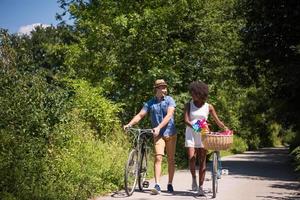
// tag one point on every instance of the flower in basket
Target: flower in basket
(227, 132)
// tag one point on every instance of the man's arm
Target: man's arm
(136, 118)
(165, 120)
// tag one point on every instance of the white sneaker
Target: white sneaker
(194, 184)
(201, 192)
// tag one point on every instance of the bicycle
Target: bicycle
(217, 141)
(136, 166)
(215, 170)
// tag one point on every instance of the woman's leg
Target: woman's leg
(192, 160)
(201, 156)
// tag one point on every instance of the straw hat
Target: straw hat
(160, 82)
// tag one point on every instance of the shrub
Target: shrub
(288, 136)
(239, 145)
(82, 165)
(296, 154)
(274, 130)
(55, 142)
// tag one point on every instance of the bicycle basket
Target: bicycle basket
(217, 142)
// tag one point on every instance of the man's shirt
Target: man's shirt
(158, 110)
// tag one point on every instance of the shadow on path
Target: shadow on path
(270, 165)
(122, 194)
(265, 164)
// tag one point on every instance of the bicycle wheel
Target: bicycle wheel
(142, 168)
(215, 174)
(131, 172)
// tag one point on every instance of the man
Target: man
(161, 108)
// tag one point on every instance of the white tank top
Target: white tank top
(198, 113)
(193, 139)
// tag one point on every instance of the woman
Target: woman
(198, 109)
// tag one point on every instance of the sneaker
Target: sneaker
(156, 189)
(194, 184)
(201, 192)
(225, 171)
(170, 188)
(219, 174)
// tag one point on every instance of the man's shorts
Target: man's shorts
(168, 142)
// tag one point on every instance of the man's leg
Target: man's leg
(159, 146)
(170, 149)
(157, 167)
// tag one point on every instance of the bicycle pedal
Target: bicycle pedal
(146, 184)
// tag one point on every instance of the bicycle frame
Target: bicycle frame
(140, 136)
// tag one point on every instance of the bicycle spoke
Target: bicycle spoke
(131, 172)
(215, 174)
(143, 168)
(136, 167)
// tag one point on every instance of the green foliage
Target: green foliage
(95, 109)
(30, 108)
(268, 57)
(124, 46)
(181, 155)
(274, 130)
(60, 139)
(296, 155)
(47, 158)
(57, 124)
(288, 136)
(239, 145)
(81, 165)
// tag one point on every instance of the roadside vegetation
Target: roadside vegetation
(66, 91)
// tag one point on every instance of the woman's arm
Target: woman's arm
(213, 112)
(187, 119)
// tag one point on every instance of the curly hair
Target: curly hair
(199, 89)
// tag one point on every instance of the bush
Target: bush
(288, 136)
(101, 113)
(296, 154)
(82, 165)
(239, 145)
(30, 108)
(57, 143)
(274, 130)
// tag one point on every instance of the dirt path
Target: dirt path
(254, 175)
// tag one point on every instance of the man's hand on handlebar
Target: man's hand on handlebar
(156, 131)
(126, 127)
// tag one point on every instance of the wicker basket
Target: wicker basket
(217, 142)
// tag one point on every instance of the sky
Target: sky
(20, 16)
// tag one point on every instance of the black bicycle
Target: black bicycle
(136, 166)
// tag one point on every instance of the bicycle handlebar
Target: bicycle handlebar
(140, 130)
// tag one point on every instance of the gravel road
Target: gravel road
(254, 175)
